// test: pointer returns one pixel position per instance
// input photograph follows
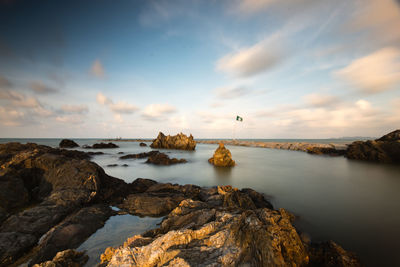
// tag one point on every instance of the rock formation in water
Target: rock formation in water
(52, 200)
(385, 149)
(219, 226)
(164, 159)
(330, 151)
(102, 145)
(66, 143)
(140, 155)
(222, 157)
(142, 144)
(179, 141)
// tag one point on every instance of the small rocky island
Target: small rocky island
(53, 199)
(222, 157)
(179, 141)
(101, 145)
(155, 157)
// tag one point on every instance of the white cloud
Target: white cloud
(119, 107)
(97, 69)
(252, 60)
(374, 73)
(78, 109)
(157, 111)
(70, 119)
(11, 117)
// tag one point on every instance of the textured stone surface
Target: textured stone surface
(222, 157)
(68, 143)
(228, 227)
(385, 149)
(66, 258)
(179, 141)
(164, 159)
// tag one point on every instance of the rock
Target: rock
(95, 153)
(112, 165)
(66, 143)
(164, 159)
(385, 149)
(140, 155)
(237, 232)
(179, 141)
(102, 145)
(331, 151)
(222, 157)
(66, 258)
(39, 188)
(332, 255)
(142, 144)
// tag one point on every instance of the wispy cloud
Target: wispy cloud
(374, 73)
(231, 92)
(321, 100)
(5, 83)
(75, 109)
(158, 111)
(40, 88)
(97, 69)
(250, 61)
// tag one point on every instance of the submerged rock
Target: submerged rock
(140, 155)
(66, 143)
(102, 145)
(385, 149)
(164, 159)
(222, 157)
(142, 144)
(224, 226)
(179, 141)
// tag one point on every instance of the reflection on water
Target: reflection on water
(116, 230)
(354, 203)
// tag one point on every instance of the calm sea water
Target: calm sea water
(356, 204)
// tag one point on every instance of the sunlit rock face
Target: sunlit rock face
(179, 141)
(222, 157)
(226, 227)
(385, 149)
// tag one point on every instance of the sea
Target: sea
(354, 203)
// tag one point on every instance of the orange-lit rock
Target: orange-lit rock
(222, 157)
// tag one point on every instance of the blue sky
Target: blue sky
(291, 69)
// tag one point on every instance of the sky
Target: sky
(290, 69)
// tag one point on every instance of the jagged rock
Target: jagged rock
(46, 185)
(179, 141)
(164, 159)
(66, 143)
(66, 258)
(102, 145)
(385, 149)
(142, 144)
(217, 232)
(222, 157)
(140, 155)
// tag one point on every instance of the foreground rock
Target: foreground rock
(50, 195)
(385, 149)
(66, 258)
(179, 141)
(224, 226)
(102, 145)
(222, 157)
(66, 143)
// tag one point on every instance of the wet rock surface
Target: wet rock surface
(67, 143)
(164, 159)
(223, 226)
(222, 157)
(101, 145)
(179, 141)
(385, 149)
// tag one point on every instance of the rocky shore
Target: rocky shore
(51, 200)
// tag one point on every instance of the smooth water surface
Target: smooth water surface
(356, 204)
